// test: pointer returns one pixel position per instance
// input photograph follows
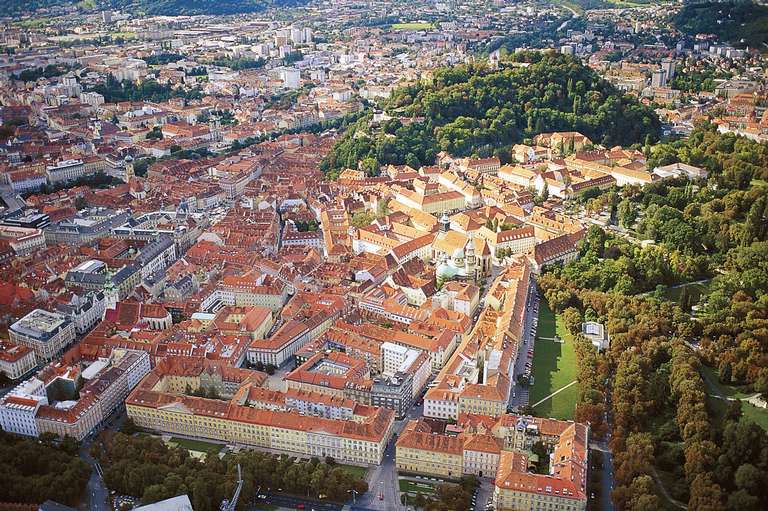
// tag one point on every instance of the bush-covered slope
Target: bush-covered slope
(469, 110)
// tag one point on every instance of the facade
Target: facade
(360, 440)
(30, 409)
(498, 448)
(87, 226)
(16, 360)
(46, 333)
(84, 311)
(23, 240)
(19, 408)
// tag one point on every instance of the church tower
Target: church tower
(129, 174)
(470, 260)
(110, 292)
(445, 224)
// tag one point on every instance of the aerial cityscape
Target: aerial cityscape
(374, 255)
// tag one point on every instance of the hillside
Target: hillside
(740, 22)
(474, 110)
(153, 7)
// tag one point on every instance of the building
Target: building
(23, 240)
(46, 333)
(16, 360)
(65, 171)
(84, 311)
(244, 420)
(88, 225)
(19, 407)
(499, 448)
(597, 334)
(68, 401)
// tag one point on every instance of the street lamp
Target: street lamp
(354, 495)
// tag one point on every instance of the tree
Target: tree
(706, 494)
(362, 219)
(572, 319)
(626, 213)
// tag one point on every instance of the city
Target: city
(384, 255)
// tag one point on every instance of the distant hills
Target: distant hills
(740, 22)
(154, 7)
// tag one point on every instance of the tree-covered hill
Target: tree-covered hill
(473, 109)
(152, 7)
(733, 21)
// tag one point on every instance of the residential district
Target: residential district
(197, 246)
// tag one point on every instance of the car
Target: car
(300, 506)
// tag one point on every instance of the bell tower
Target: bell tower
(129, 173)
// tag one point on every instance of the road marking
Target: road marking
(555, 392)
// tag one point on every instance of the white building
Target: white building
(291, 77)
(397, 358)
(65, 171)
(16, 360)
(47, 333)
(19, 407)
(596, 333)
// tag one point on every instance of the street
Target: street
(519, 394)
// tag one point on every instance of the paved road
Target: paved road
(483, 494)
(382, 479)
(97, 494)
(607, 483)
(290, 502)
(519, 395)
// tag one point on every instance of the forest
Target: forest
(475, 110)
(741, 22)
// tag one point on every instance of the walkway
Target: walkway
(574, 382)
(664, 491)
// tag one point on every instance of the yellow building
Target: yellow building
(498, 448)
(421, 452)
(360, 440)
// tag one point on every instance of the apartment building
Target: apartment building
(499, 448)
(16, 360)
(46, 333)
(360, 440)
(68, 401)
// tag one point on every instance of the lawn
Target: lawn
(412, 26)
(408, 486)
(748, 410)
(197, 445)
(554, 366)
(355, 471)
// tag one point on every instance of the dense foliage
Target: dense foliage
(146, 467)
(152, 7)
(114, 91)
(697, 80)
(49, 71)
(162, 58)
(475, 110)
(736, 21)
(35, 471)
(238, 63)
